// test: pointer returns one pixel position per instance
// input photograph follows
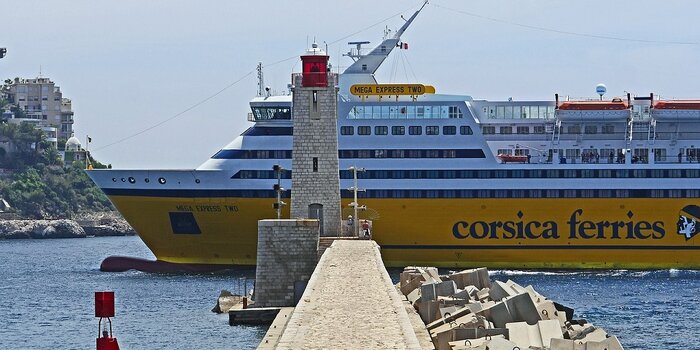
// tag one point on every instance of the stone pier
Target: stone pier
(351, 303)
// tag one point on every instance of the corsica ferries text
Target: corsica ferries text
(576, 227)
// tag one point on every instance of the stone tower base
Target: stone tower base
(287, 256)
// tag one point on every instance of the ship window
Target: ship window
(605, 193)
(379, 153)
(517, 174)
(483, 193)
(455, 112)
(500, 193)
(622, 193)
(398, 130)
(488, 130)
(272, 113)
(570, 194)
(573, 129)
(523, 130)
(449, 193)
(587, 173)
(675, 193)
(552, 193)
(465, 194)
(552, 173)
(538, 129)
(505, 151)
(415, 130)
(500, 174)
(465, 130)
(397, 153)
(608, 129)
(639, 173)
(605, 173)
(364, 130)
(381, 130)
(363, 153)
(656, 194)
(432, 153)
(569, 173)
(587, 193)
(692, 193)
(674, 173)
(432, 174)
(449, 130)
(509, 112)
(449, 174)
(492, 112)
(657, 173)
(622, 173)
(466, 174)
(500, 112)
(660, 154)
(415, 153)
(347, 130)
(364, 67)
(591, 129)
(449, 153)
(535, 193)
(484, 174)
(692, 173)
(184, 223)
(432, 130)
(506, 130)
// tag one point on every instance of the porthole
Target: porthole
(146, 180)
(123, 180)
(132, 180)
(197, 181)
(161, 180)
(114, 179)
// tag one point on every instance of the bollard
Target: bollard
(245, 302)
(104, 308)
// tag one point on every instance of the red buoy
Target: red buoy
(104, 309)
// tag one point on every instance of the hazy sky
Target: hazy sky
(128, 65)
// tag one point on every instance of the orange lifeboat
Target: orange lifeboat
(509, 158)
(678, 104)
(614, 105)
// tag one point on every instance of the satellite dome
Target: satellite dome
(73, 144)
(600, 89)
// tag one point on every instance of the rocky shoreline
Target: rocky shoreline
(63, 228)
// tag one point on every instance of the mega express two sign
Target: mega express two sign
(391, 89)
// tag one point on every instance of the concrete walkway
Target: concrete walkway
(350, 303)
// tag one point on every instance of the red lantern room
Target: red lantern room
(314, 68)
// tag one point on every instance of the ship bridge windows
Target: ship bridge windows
(488, 130)
(538, 129)
(466, 130)
(347, 130)
(608, 129)
(272, 113)
(381, 130)
(415, 130)
(507, 130)
(432, 130)
(511, 111)
(523, 130)
(405, 112)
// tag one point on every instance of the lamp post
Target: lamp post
(354, 204)
(278, 188)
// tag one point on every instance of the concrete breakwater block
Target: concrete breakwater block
(465, 310)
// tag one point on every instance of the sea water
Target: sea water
(47, 300)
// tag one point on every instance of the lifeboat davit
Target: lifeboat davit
(508, 158)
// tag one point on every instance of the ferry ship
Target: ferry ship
(450, 180)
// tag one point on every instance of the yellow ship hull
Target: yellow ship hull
(633, 233)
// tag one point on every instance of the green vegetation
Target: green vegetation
(35, 182)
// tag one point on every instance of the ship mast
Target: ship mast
(261, 80)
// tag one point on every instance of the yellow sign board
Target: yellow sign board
(391, 89)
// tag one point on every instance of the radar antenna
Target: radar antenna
(261, 80)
